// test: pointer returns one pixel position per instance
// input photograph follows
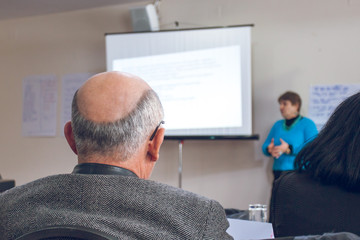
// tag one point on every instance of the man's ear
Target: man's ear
(69, 135)
(155, 144)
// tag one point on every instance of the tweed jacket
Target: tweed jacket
(125, 207)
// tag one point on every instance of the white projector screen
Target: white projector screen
(202, 76)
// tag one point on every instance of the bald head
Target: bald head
(113, 115)
(109, 96)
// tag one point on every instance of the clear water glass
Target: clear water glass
(258, 212)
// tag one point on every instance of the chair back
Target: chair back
(66, 233)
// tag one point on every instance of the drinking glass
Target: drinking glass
(258, 212)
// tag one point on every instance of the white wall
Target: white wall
(295, 44)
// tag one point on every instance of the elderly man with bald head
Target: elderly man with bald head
(116, 133)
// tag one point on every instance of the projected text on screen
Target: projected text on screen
(204, 84)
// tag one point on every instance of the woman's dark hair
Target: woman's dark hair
(293, 97)
(333, 157)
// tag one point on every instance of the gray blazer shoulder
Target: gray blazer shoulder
(124, 207)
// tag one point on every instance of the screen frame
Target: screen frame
(246, 94)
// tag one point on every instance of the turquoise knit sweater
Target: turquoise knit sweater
(297, 135)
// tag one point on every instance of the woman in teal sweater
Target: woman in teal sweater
(289, 135)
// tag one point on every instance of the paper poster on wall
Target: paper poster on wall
(39, 106)
(70, 83)
(325, 98)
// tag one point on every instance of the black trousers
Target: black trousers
(277, 174)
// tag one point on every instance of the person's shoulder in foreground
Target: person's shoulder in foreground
(320, 207)
(126, 207)
(116, 125)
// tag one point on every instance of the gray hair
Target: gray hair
(122, 137)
